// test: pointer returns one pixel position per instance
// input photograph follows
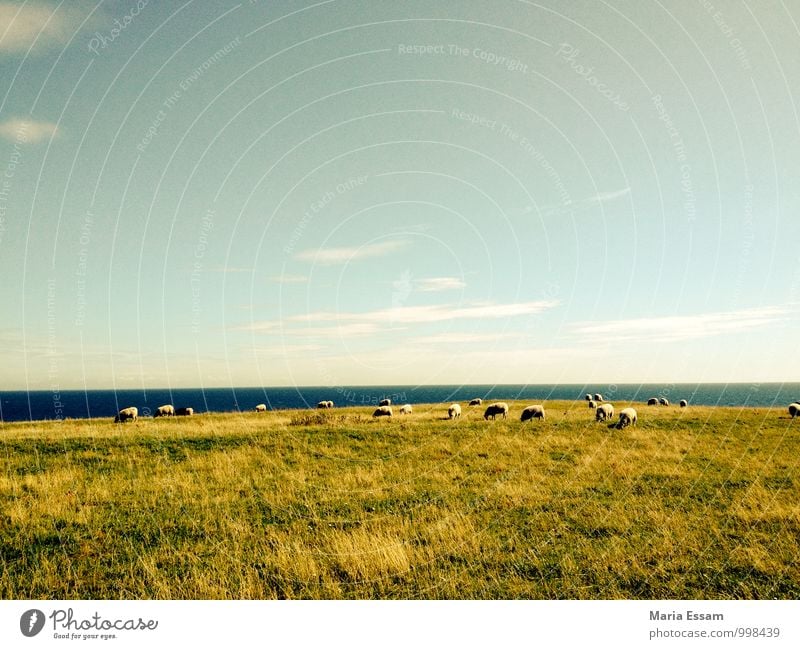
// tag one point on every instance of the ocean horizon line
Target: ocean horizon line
(35, 405)
(312, 386)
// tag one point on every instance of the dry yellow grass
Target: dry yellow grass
(696, 503)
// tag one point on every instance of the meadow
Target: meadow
(695, 503)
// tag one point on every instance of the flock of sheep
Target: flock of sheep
(627, 416)
(132, 413)
(603, 411)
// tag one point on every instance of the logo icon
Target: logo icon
(31, 622)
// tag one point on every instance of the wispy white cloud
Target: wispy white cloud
(438, 284)
(330, 323)
(230, 269)
(22, 25)
(434, 313)
(328, 256)
(26, 130)
(288, 279)
(281, 350)
(337, 330)
(262, 326)
(457, 338)
(579, 205)
(602, 197)
(675, 328)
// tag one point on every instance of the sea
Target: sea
(79, 404)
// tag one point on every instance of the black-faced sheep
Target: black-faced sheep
(125, 414)
(604, 411)
(499, 408)
(532, 412)
(165, 411)
(627, 417)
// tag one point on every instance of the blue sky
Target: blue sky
(343, 192)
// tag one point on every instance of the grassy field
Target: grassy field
(696, 503)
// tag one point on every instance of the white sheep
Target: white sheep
(125, 414)
(406, 409)
(382, 411)
(184, 412)
(261, 407)
(592, 403)
(454, 411)
(664, 401)
(627, 417)
(652, 401)
(683, 403)
(532, 412)
(794, 409)
(385, 402)
(499, 408)
(165, 411)
(476, 402)
(588, 397)
(604, 411)
(598, 397)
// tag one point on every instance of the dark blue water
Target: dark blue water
(23, 406)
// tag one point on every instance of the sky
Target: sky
(357, 193)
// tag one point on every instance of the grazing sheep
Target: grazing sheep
(604, 411)
(593, 404)
(131, 413)
(598, 397)
(330, 404)
(165, 411)
(382, 411)
(184, 412)
(683, 403)
(406, 409)
(664, 401)
(261, 407)
(794, 410)
(476, 402)
(532, 412)
(385, 402)
(627, 417)
(652, 401)
(588, 397)
(325, 404)
(499, 408)
(454, 411)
